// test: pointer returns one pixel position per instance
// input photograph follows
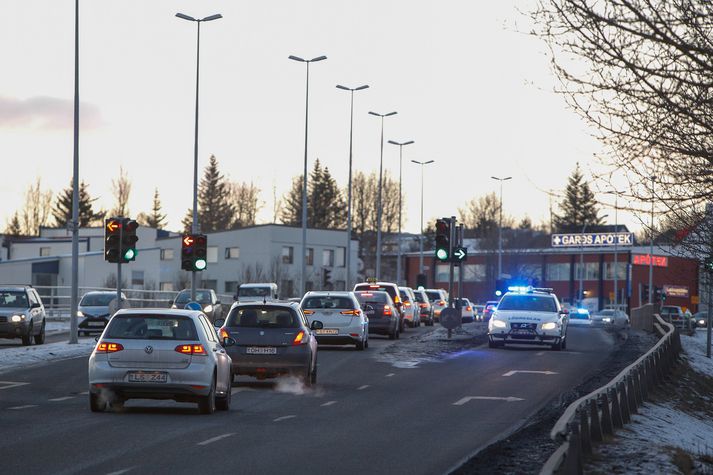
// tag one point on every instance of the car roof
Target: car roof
(268, 303)
(101, 292)
(259, 284)
(338, 293)
(168, 312)
(15, 288)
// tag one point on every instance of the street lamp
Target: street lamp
(195, 227)
(378, 201)
(616, 248)
(74, 293)
(500, 226)
(651, 245)
(581, 262)
(398, 239)
(348, 257)
(303, 282)
(420, 234)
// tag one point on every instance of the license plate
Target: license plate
(522, 332)
(261, 350)
(95, 324)
(327, 331)
(147, 377)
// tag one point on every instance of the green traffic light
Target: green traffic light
(442, 254)
(129, 254)
(200, 264)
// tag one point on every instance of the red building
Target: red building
(559, 268)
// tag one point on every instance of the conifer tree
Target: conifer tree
(62, 211)
(578, 208)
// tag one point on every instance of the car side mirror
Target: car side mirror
(35, 305)
(235, 297)
(564, 311)
(316, 325)
(227, 341)
(217, 302)
(219, 322)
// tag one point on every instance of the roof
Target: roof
(176, 312)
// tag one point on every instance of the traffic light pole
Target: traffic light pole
(118, 266)
(460, 265)
(710, 313)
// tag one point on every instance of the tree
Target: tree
(215, 212)
(482, 216)
(121, 189)
(13, 227)
(640, 71)
(327, 208)
(578, 207)
(291, 213)
(155, 219)
(245, 200)
(62, 211)
(36, 212)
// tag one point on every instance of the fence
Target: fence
(608, 408)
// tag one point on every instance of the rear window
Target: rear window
(97, 300)
(535, 303)
(202, 296)
(328, 302)
(434, 295)
(151, 327)
(262, 317)
(371, 297)
(377, 288)
(420, 297)
(405, 295)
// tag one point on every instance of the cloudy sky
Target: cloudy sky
(470, 87)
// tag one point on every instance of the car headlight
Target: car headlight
(174, 306)
(499, 323)
(606, 319)
(79, 313)
(208, 308)
(549, 326)
(701, 322)
(17, 318)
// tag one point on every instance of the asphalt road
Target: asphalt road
(367, 414)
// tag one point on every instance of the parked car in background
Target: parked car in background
(425, 307)
(579, 316)
(22, 314)
(342, 317)
(479, 310)
(391, 289)
(610, 317)
(675, 315)
(380, 309)
(466, 310)
(439, 300)
(160, 354)
(95, 309)
(701, 319)
(412, 313)
(207, 298)
(490, 307)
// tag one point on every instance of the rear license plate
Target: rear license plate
(95, 324)
(327, 331)
(147, 377)
(261, 350)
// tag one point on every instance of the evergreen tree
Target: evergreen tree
(291, 213)
(13, 227)
(215, 213)
(579, 207)
(155, 219)
(62, 211)
(327, 208)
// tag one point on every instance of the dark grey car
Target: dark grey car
(272, 339)
(381, 311)
(210, 305)
(95, 308)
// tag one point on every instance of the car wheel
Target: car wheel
(360, 345)
(206, 404)
(95, 403)
(564, 343)
(27, 339)
(40, 338)
(223, 403)
(557, 346)
(398, 334)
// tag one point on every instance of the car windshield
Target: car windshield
(151, 327)
(535, 303)
(97, 300)
(202, 296)
(263, 317)
(13, 299)
(328, 302)
(404, 295)
(420, 298)
(433, 295)
(372, 297)
(253, 292)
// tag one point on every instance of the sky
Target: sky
(471, 88)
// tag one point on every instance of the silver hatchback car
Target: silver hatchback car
(340, 312)
(160, 354)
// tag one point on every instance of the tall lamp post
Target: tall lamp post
(651, 245)
(500, 225)
(378, 200)
(581, 263)
(398, 239)
(420, 234)
(74, 297)
(303, 280)
(195, 227)
(348, 252)
(616, 249)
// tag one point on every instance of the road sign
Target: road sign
(593, 240)
(193, 306)
(450, 318)
(460, 254)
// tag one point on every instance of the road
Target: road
(368, 413)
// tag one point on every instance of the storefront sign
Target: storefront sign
(645, 260)
(676, 291)
(593, 240)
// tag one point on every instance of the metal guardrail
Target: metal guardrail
(608, 408)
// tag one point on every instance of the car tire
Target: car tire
(564, 343)
(557, 346)
(313, 376)
(95, 403)
(206, 404)
(398, 334)
(27, 339)
(223, 403)
(40, 337)
(360, 345)
(366, 342)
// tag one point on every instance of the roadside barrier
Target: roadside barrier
(597, 415)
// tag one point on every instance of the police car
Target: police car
(531, 316)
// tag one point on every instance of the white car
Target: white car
(160, 354)
(344, 322)
(533, 317)
(610, 317)
(467, 313)
(412, 312)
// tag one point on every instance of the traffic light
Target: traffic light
(659, 295)
(128, 240)
(421, 281)
(443, 239)
(200, 250)
(644, 292)
(187, 252)
(112, 229)
(326, 278)
(708, 264)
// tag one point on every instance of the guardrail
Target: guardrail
(608, 408)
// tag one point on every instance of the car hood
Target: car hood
(94, 311)
(525, 316)
(9, 311)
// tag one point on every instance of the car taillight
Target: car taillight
(407, 304)
(397, 300)
(350, 312)
(423, 305)
(299, 338)
(441, 302)
(308, 312)
(224, 333)
(191, 349)
(367, 294)
(387, 310)
(108, 347)
(469, 308)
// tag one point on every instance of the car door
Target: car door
(222, 360)
(35, 311)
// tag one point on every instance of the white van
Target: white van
(257, 292)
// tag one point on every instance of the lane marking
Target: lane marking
(540, 353)
(510, 373)
(329, 403)
(362, 387)
(11, 384)
(466, 399)
(119, 472)
(283, 418)
(390, 375)
(17, 408)
(84, 393)
(57, 399)
(216, 438)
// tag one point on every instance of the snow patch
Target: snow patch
(13, 358)
(695, 348)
